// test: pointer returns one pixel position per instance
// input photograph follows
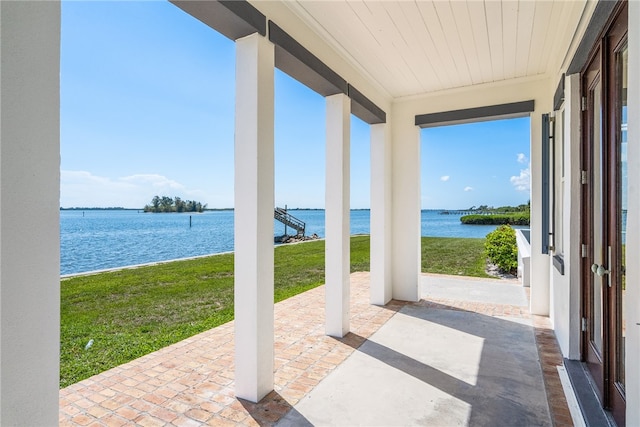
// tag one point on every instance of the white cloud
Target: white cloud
(522, 158)
(444, 178)
(154, 180)
(468, 188)
(83, 189)
(522, 182)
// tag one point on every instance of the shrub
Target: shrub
(502, 249)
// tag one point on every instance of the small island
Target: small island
(166, 204)
(504, 215)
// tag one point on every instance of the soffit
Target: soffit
(416, 47)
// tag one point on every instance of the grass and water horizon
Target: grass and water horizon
(102, 239)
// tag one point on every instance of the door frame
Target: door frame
(604, 58)
(590, 78)
(615, 42)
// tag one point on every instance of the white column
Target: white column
(632, 298)
(29, 213)
(539, 301)
(337, 233)
(380, 286)
(406, 206)
(254, 204)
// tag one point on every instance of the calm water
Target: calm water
(94, 240)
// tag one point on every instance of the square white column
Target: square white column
(30, 213)
(380, 265)
(337, 233)
(405, 232)
(253, 217)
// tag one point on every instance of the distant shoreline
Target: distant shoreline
(231, 209)
(134, 209)
(205, 210)
(115, 208)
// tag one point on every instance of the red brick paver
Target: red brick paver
(190, 383)
(551, 357)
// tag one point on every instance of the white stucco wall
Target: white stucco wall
(632, 298)
(565, 289)
(29, 213)
(572, 216)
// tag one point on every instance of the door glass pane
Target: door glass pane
(596, 290)
(622, 214)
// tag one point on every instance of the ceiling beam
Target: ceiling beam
(295, 60)
(233, 19)
(469, 115)
(237, 19)
(364, 109)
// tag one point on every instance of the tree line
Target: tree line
(167, 204)
(502, 209)
(511, 218)
(488, 215)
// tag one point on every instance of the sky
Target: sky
(147, 108)
(485, 163)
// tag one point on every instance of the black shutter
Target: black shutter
(545, 183)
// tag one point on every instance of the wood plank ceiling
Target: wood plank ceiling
(413, 47)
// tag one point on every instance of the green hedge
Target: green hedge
(497, 219)
(502, 249)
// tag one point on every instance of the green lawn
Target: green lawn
(130, 313)
(459, 257)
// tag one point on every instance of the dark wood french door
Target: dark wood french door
(604, 83)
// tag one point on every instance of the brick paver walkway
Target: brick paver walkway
(191, 383)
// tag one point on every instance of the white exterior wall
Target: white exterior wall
(381, 289)
(565, 310)
(572, 215)
(564, 299)
(29, 213)
(632, 298)
(254, 204)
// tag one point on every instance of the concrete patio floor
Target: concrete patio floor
(468, 353)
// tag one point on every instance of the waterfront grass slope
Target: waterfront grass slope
(132, 312)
